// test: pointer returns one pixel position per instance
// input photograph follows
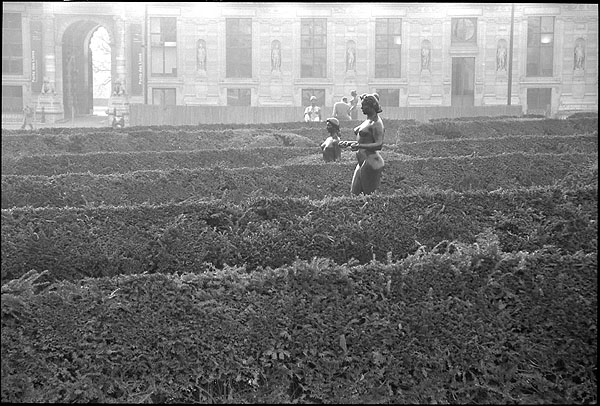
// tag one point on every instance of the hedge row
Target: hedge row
(316, 180)
(459, 323)
(136, 141)
(73, 243)
(121, 162)
(180, 138)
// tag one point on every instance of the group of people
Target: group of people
(369, 141)
(343, 110)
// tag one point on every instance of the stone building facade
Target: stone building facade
(279, 54)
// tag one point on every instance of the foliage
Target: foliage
(457, 323)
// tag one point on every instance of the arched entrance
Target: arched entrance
(78, 68)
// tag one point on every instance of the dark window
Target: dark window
(12, 99)
(539, 100)
(388, 44)
(163, 39)
(464, 31)
(540, 46)
(313, 48)
(238, 97)
(239, 47)
(318, 93)
(12, 44)
(389, 97)
(164, 97)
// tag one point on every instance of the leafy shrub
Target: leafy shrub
(459, 322)
(73, 243)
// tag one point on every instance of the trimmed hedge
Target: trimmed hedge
(316, 180)
(136, 141)
(121, 162)
(73, 243)
(304, 134)
(458, 323)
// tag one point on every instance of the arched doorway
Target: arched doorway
(78, 68)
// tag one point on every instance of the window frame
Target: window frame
(384, 97)
(385, 47)
(12, 49)
(313, 46)
(164, 91)
(240, 97)
(12, 103)
(454, 39)
(537, 51)
(238, 48)
(319, 93)
(161, 43)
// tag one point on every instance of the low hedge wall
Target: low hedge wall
(459, 323)
(316, 180)
(136, 141)
(121, 162)
(73, 243)
(174, 138)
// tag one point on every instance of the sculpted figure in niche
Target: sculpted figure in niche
(579, 54)
(426, 55)
(350, 56)
(501, 53)
(201, 55)
(275, 56)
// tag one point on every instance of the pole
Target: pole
(510, 52)
(146, 46)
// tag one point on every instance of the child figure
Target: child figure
(330, 147)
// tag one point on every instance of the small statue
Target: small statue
(501, 56)
(350, 57)
(201, 55)
(275, 56)
(47, 87)
(426, 56)
(579, 55)
(119, 90)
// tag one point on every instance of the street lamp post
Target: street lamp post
(510, 52)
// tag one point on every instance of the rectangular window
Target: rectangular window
(313, 48)
(12, 99)
(238, 97)
(12, 44)
(539, 100)
(164, 97)
(464, 31)
(318, 93)
(239, 47)
(540, 46)
(389, 97)
(388, 44)
(163, 40)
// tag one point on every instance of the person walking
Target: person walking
(367, 175)
(354, 105)
(341, 109)
(330, 147)
(27, 118)
(312, 112)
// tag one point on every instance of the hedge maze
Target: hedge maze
(231, 264)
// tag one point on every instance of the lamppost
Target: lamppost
(510, 52)
(146, 50)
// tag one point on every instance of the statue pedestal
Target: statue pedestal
(49, 108)
(425, 85)
(276, 87)
(501, 85)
